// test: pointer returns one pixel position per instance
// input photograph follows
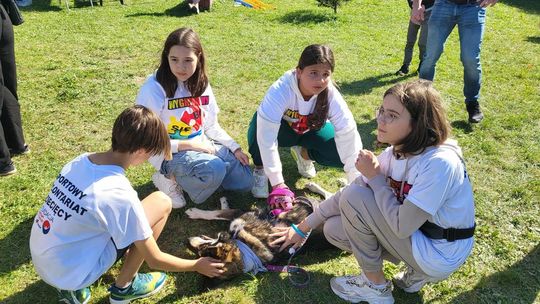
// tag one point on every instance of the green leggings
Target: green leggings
(320, 144)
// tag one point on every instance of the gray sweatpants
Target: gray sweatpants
(362, 230)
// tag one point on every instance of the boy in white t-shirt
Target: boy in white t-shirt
(92, 217)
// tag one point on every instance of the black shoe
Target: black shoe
(475, 114)
(404, 70)
(23, 151)
(7, 170)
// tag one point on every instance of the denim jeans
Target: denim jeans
(470, 19)
(201, 174)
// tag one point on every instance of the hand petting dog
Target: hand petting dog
(209, 267)
(287, 236)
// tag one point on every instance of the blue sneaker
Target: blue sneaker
(142, 286)
(81, 296)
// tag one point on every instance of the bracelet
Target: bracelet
(298, 231)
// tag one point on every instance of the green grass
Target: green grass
(78, 69)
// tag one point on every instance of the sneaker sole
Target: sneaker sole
(357, 299)
(9, 173)
(113, 301)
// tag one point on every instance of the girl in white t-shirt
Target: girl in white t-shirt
(305, 111)
(414, 203)
(205, 157)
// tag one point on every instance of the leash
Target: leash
(297, 275)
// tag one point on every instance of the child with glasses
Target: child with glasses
(92, 217)
(303, 110)
(414, 202)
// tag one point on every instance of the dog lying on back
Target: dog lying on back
(253, 229)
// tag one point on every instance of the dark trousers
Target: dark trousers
(320, 144)
(11, 133)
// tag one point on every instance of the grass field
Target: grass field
(79, 68)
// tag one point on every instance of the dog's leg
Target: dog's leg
(315, 188)
(225, 215)
(224, 203)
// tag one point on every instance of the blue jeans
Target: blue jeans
(201, 174)
(470, 19)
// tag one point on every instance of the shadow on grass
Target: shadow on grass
(14, 248)
(533, 39)
(37, 290)
(517, 284)
(462, 125)
(369, 139)
(366, 85)
(526, 5)
(180, 10)
(306, 17)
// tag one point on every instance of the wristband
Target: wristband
(298, 231)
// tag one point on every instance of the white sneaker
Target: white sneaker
(358, 288)
(171, 188)
(411, 281)
(305, 167)
(260, 184)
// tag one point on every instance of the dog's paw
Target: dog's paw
(194, 213)
(224, 203)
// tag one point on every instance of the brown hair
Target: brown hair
(197, 83)
(138, 127)
(429, 126)
(316, 54)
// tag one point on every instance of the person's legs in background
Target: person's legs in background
(412, 34)
(471, 31)
(441, 23)
(422, 40)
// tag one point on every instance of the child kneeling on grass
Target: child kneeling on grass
(92, 217)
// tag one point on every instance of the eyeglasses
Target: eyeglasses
(386, 117)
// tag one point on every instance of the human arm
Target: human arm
(267, 133)
(287, 236)
(486, 3)
(417, 13)
(156, 259)
(212, 128)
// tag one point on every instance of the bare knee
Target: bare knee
(159, 202)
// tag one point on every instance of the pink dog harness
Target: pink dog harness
(279, 197)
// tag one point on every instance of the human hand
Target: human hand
(209, 267)
(417, 14)
(286, 236)
(367, 164)
(487, 3)
(241, 156)
(205, 147)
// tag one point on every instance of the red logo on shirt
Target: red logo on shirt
(396, 187)
(298, 122)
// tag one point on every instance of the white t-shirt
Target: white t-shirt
(284, 101)
(89, 204)
(184, 115)
(436, 182)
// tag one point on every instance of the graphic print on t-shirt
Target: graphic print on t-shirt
(396, 188)
(297, 121)
(188, 125)
(62, 202)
